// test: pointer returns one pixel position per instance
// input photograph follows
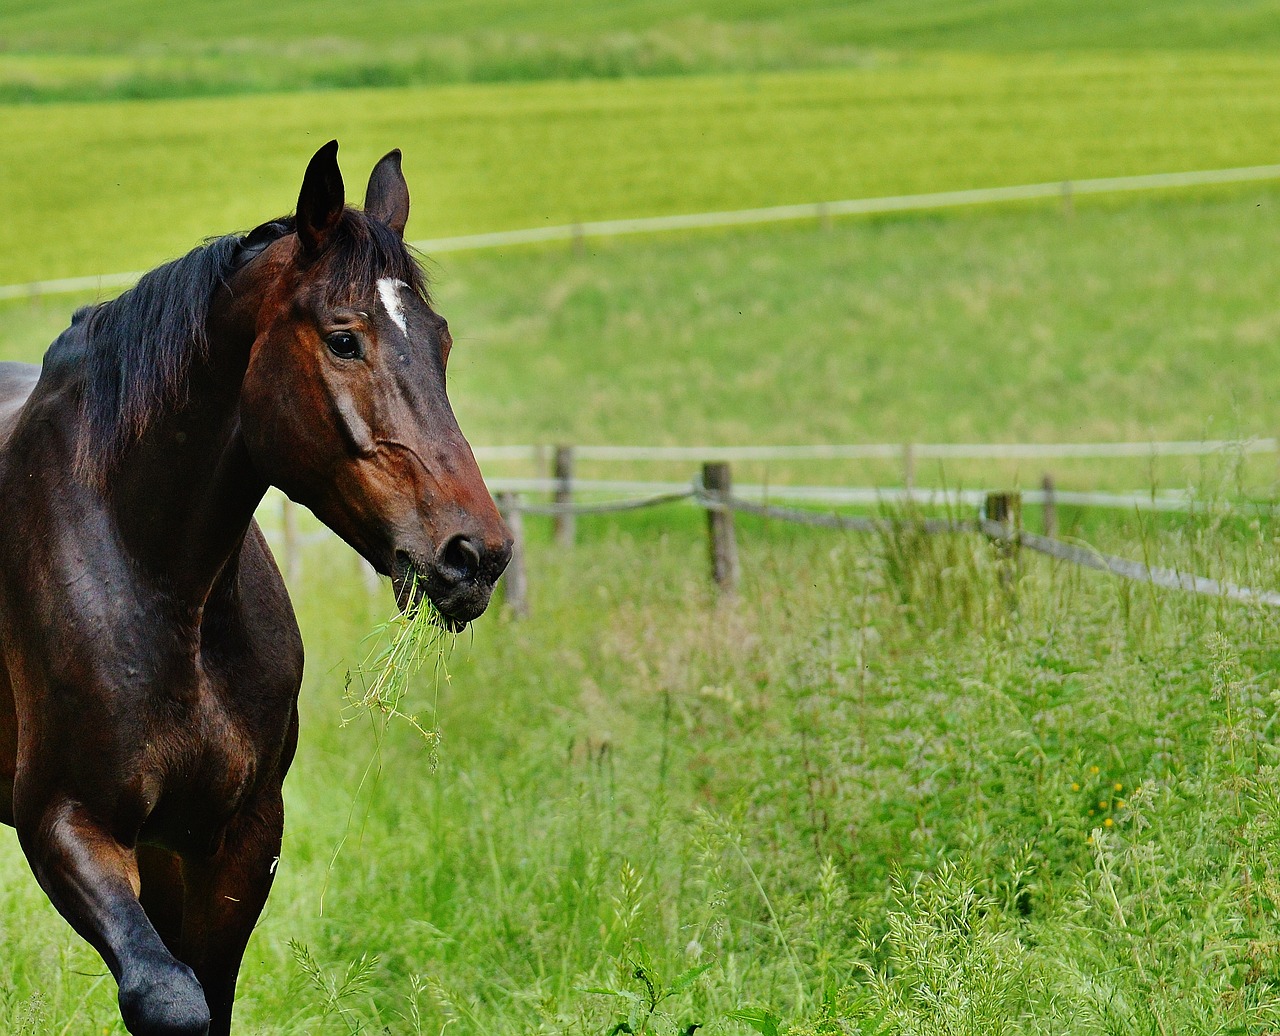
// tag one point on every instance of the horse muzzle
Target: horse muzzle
(458, 580)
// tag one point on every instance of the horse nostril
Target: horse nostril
(460, 559)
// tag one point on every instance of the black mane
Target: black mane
(140, 346)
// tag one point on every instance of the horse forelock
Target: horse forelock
(364, 251)
(140, 346)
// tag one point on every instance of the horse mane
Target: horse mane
(141, 345)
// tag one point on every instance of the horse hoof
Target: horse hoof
(163, 1000)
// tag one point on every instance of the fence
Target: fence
(999, 519)
(997, 515)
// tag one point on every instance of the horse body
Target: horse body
(147, 719)
(150, 661)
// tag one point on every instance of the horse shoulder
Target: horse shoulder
(250, 630)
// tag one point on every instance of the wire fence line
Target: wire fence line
(1082, 555)
(1168, 578)
(725, 504)
(1009, 533)
(821, 211)
(848, 496)
(722, 503)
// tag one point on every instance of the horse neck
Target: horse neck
(184, 496)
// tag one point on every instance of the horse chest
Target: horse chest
(194, 777)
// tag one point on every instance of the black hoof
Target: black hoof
(163, 1000)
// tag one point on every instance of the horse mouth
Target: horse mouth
(453, 606)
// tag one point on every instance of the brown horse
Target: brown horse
(149, 657)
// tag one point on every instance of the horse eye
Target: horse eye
(343, 344)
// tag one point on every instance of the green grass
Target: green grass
(879, 792)
(898, 799)
(94, 50)
(102, 188)
(877, 787)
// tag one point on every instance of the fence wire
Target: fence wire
(606, 507)
(1082, 555)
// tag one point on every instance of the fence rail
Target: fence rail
(539, 454)
(844, 496)
(998, 518)
(822, 211)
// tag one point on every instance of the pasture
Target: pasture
(882, 791)
(148, 49)
(136, 183)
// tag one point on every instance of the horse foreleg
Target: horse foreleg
(225, 895)
(94, 882)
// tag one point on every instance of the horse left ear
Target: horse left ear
(321, 199)
(387, 198)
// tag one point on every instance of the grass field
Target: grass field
(108, 187)
(871, 790)
(91, 50)
(887, 790)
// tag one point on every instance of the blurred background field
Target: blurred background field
(879, 792)
(150, 49)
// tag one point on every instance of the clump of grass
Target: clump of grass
(401, 648)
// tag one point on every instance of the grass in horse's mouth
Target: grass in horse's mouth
(409, 586)
(402, 646)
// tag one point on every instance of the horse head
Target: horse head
(343, 403)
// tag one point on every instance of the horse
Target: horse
(150, 660)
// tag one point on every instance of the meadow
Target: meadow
(894, 786)
(148, 49)
(124, 185)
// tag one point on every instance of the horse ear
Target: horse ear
(320, 200)
(387, 198)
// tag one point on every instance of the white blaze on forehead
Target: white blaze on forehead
(389, 292)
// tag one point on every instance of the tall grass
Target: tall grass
(882, 791)
(896, 798)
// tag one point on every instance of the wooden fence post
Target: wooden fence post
(1006, 509)
(1050, 507)
(908, 467)
(515, 584)
(289, 523)
(562, 472)
(717, 478)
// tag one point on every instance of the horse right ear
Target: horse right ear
(320, 200)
